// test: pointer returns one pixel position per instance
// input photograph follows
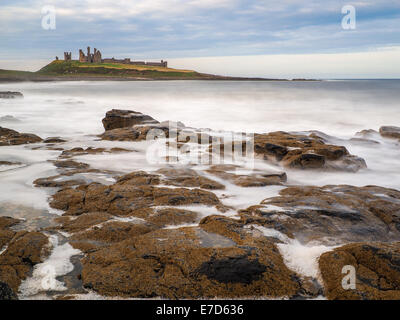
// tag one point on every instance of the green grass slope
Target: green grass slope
(62, 68)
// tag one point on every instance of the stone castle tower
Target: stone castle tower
(67, 56)
(90, 57)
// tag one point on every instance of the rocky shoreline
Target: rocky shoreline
(172, 232)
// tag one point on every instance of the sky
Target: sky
(274, 38)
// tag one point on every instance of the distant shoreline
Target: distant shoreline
(59, 70)
(61, 79)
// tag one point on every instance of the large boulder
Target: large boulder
(115, 119)
(12, 137)
(377, 271)
(390, 132)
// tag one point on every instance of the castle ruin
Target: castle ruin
(90, 57)
(96, 57)
(67, 56)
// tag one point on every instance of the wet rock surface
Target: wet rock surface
(137, 190)
(174, 263)
(377, 271)
(54, 140)
(22, 250)
(135, 133)
(390, 132)
(332, 214)
(292, 150)
(125, 118)
(305, 152)
(255, 179)
(12, 137)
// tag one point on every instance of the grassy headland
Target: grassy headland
(60, 70)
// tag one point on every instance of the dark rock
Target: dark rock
(390, 132)
(301, 151)
(256, 179)
(70, 164)
(305, 161)
(233, 270)
(12, 137)
(6, 293)
(10, 95)
(125, 118)
(54, 140)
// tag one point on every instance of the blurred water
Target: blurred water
(74, 110)
(339, 108)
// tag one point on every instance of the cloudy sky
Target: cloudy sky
(276, 38)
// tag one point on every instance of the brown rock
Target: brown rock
(188, 263)
(24, 251)
(136, 133)
(305, 152)
(305, 161)
(82, 222)
(70, 164)
(377, 267)
(122, 199)
(80, 151)
(6, 222)
(53, 182)
(390, 132)
(114, 231)
(331, 214)
(125, 118)
(188, 178)
(12, 137)
(256, 179)
(171, 216)
(54, 140)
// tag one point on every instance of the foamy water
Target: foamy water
(73, 110)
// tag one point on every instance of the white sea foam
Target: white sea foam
(44, 274)
(301, 258)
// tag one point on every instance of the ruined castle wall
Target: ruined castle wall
(96, 57)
